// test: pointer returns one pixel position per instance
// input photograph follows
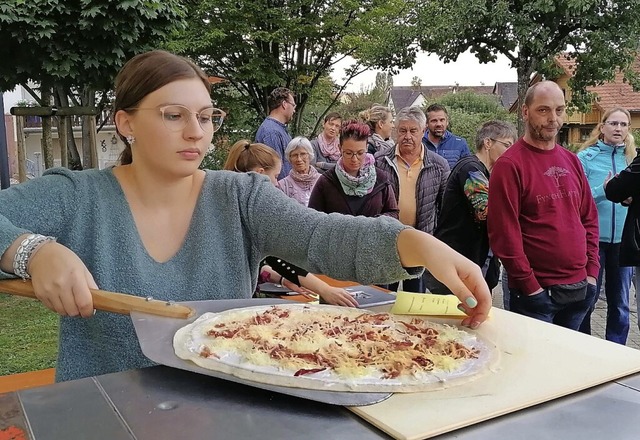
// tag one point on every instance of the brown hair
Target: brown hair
(596, 134)
(245, 156)
(145, 73)
(277, 97)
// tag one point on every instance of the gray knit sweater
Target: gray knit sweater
(239, 219)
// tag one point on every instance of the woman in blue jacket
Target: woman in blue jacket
(607, 152)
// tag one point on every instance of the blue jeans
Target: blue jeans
(541, 306)
(617, 284)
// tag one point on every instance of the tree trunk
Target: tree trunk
(47, 139)
(22, 154)
(89, 152)
(523, 85)
(63, 121)
(73, 157)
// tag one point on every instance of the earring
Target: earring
(131, 139)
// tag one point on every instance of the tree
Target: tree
(260, 45)
(600, 35)
(368, 96)
(468, 111)
(76, 48)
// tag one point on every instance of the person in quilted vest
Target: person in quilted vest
(418, 177)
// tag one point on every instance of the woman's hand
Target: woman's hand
(338, 297)
(462, 276)
(61, 281)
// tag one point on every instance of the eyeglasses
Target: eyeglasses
(351, 154)
(293, 104)
(616, 123)
(506, 144)
(303, 155)
(176, 117)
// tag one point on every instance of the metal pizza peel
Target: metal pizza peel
(155, 335)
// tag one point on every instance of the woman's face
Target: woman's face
(613, 132)
(300, 160)
(384, 128)
(353, 153)
(497, 147)
(159, 148)
(331, 128)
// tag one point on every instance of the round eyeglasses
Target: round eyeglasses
(176, 117)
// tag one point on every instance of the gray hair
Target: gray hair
(300, 142)
(414, 114)
(495, 130)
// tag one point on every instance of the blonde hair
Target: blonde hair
(245, 156)
(596, 134)
(377, 113)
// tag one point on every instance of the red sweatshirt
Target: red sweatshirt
(542, 219)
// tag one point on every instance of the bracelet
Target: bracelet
(27, 249)
(280, 282)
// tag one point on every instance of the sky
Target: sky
(466, 71)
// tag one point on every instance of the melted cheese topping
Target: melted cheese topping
(306, 341)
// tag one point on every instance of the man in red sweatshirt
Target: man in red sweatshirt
(542, 220)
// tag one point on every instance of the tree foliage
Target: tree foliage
(259, 45)
(600, 35)
(75, 48)
(468, 111)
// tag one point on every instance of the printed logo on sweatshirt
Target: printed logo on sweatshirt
(556, 173)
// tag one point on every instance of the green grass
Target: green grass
(29, 336)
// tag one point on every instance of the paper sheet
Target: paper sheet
(408, 303)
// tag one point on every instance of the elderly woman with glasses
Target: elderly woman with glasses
(302, 177)
(355, 186)
(607, 152)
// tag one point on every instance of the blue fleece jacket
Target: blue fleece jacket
(598, 160)
(451, 147)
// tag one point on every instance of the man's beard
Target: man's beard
(538, 134)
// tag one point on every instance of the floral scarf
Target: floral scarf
(330, 150)
(363, 184)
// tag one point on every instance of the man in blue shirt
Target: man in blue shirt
(440, 140)
(273, 130)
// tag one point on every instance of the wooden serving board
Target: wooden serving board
(539, 362)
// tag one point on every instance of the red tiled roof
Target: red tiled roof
(613, 94)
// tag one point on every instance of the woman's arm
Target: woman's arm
(462, 276)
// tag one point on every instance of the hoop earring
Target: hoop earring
(131, 139)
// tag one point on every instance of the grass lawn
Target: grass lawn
(29, 336)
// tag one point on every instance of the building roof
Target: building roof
(613, 94)
(507, 92)
(403, 96)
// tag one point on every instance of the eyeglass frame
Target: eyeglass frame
(293, 104)
(620, 124)
(351, 154)
(506, 144)
(162, 109)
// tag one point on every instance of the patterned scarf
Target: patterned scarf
(330, 150)
(361, 185)
(305, 181)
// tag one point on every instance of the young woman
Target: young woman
(355, 186)
(326, 147)
(158, 225)
(380, 121)
(302, 177)
(609, 150)
(245, 157)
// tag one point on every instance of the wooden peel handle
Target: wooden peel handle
(109, 301)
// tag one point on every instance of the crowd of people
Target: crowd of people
(544, 200)
(357, 203)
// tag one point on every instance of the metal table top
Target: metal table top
(166, 403)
